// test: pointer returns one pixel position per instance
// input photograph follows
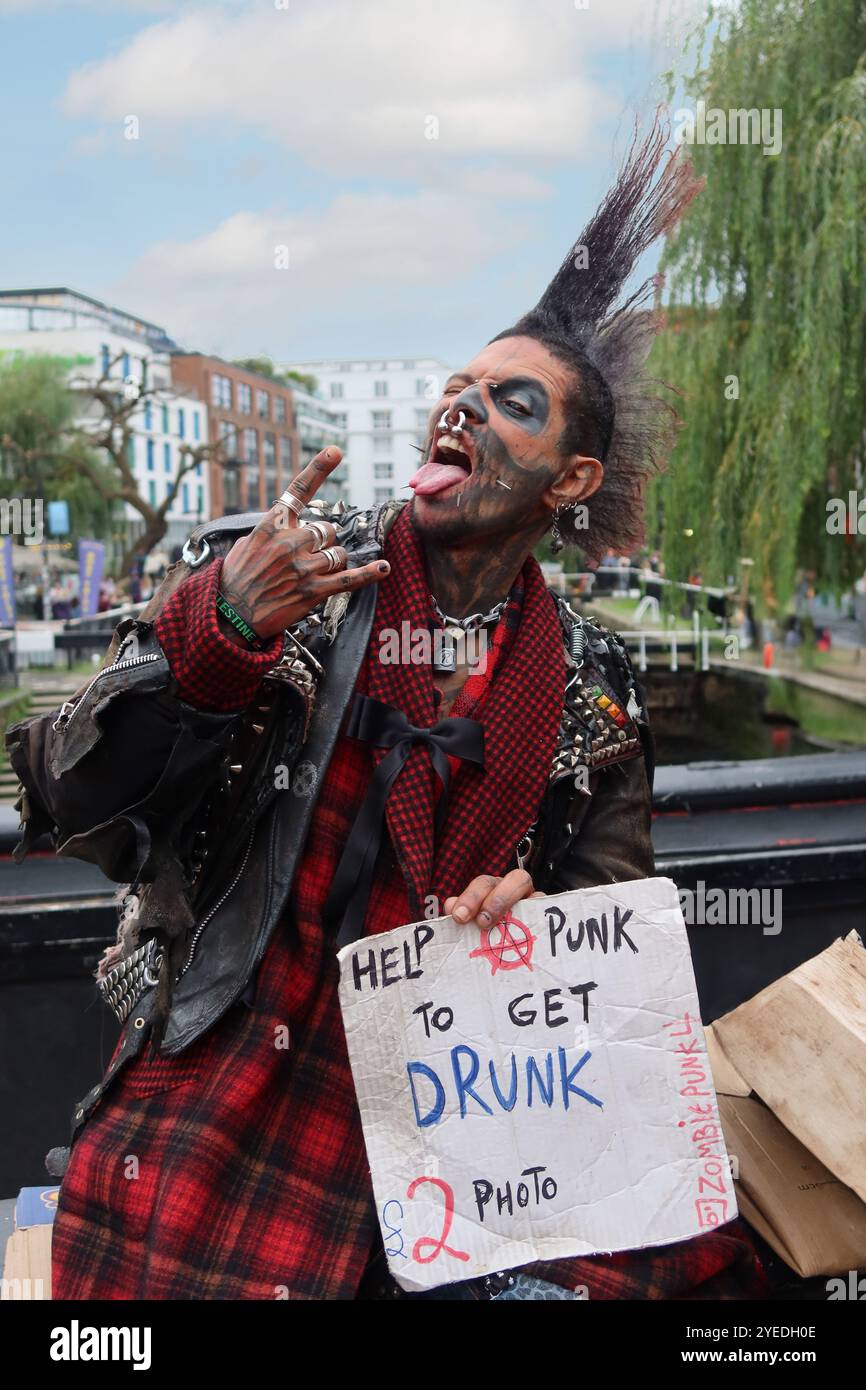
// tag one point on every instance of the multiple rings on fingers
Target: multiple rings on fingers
(321, 533)
(335, 557)
(290, 500)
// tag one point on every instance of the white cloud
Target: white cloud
(349, 86)
(368, 257)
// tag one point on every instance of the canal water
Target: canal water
(733, 715)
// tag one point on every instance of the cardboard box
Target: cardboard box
(27, 1266)
(790, 1072)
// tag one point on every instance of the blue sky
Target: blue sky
(305, 124)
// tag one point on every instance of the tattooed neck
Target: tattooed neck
(465, 582)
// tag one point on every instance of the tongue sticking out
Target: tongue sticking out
(435, 477)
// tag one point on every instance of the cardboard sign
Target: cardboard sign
(536, 1089)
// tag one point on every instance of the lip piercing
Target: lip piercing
(452, 429)
(499, 483)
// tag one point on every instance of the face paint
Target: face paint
(512, 398)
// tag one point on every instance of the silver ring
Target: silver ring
(290, 500)
(335, 559)
(451, 429)
(320, 531)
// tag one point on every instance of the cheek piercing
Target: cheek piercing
(499, 483)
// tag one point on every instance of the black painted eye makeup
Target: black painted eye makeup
(525, 400)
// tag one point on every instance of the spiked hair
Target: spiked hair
(616, 413)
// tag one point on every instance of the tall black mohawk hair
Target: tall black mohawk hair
(619, 414)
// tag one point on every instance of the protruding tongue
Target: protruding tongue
(435, 477)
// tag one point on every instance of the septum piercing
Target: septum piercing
(451, 429)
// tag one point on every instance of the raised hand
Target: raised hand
(278, 573)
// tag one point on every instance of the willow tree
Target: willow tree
(766, 290)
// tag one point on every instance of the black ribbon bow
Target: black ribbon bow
(382, 725)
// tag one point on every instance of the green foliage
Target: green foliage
(767, 284)
(306, 379)
(41, 454)
(265, 367)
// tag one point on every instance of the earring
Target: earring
(556, 541)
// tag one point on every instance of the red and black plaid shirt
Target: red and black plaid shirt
(250, 1177)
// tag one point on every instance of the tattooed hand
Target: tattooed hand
(277, 574)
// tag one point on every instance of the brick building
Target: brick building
(255, 417)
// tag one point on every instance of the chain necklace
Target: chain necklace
(455, 630)
(474, 620)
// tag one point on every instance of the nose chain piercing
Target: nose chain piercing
(451, 429)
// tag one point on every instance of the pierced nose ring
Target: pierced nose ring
(452, 429)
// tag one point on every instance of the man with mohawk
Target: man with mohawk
(270, 789)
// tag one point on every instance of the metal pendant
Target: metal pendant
(445, 653)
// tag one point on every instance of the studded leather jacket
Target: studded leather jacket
(184, 806)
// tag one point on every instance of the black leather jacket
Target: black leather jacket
(185, 805)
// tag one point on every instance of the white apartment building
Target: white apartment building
(385, 405)
(93, 339)
(319, 425)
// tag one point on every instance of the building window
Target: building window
(151, 492)
(199, 506)
(181, 424)
(285, 457)
(185, 496)
(150, 454)
(245, 399)
(382, 494)
(263, 405)
(383, 470)
(381, 419)
(251, 445)
(221, 391)
(383, 443)
(165, 419)
(148, 416)
(270, 458)
(105, 357)
(228, 434)
(428, 386)
(421, 417)
(166, 457)
(125, 365)
(279, 410)
(198, 470)
(336, 390)
(231, 488)
(380, 388)
(196, 425)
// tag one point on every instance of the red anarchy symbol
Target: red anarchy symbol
(514, 938)
(438, 1245)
